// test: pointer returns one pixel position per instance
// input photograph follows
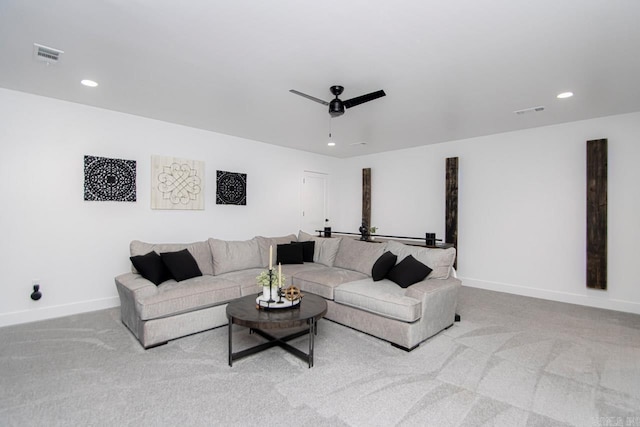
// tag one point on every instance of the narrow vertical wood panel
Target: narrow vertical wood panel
(451, 203)
(366, 196)
(597, 214)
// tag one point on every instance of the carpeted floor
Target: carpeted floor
(511, 361)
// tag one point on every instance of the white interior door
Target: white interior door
(314, 201)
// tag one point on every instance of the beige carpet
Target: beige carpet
(511, 361)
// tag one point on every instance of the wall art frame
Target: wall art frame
(177, 183)
(231, 188)
(109, 180)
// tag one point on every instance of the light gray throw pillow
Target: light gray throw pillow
(439, 260)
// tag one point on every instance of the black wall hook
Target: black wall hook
(36, 294)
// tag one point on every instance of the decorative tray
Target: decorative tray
(277, 304)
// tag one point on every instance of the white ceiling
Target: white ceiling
(451, 69)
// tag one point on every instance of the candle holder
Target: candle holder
(271, 286)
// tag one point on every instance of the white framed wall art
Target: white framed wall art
(177, 183)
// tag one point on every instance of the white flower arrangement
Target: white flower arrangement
(263, 279)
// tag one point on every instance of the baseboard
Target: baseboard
(568, 297)
(26, 316)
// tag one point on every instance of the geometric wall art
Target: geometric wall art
(177, 183)
(108, 179)
(231, 188)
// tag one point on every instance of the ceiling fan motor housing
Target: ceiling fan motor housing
(336, 108)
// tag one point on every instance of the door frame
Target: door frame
(314, 174)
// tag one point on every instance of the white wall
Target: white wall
(521, 201)
(75, 248)
(522, 207)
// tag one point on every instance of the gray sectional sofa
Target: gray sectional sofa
(341, 273)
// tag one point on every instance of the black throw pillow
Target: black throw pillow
(290, 254)
(182, 265)
(383, 265)
(308, 248)
(151, 267)
(408, 271)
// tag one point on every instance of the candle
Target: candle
(279, 274)
(270, 257)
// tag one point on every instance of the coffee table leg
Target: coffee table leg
(311, 335)
(230, 345)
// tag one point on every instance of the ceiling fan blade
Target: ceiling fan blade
(313, 98)
(364, 98)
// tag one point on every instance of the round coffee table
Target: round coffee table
(243, 312)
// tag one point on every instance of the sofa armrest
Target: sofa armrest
(429, 286)
(131, 288)
(136, 284)
(439, 302)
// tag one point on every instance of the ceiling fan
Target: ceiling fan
(337, 106)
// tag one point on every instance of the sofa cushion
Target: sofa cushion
(308, 248)
(265, 242)
(383, 298)
(290, 270)
(382, 266)
(200, 250)
(246, 279)
(322, 281)
(289, 254)
(358, 255)
(173, 298)
(439, 260)
(408, 271)
(325, 250)
(231, 255)
(181, 264)
(151, 267)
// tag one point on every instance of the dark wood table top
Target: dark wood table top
(243, 311)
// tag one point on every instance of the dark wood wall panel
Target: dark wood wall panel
(451, 203)
(366, 196)
(597, 214)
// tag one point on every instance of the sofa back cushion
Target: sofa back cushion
(229, 255)
(358, 255)
(200, 251)
(325, 250)
(265, 242)
(439, 260)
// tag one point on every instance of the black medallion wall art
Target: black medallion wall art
(109, 179)
(231, 188)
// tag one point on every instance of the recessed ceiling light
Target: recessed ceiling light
(564, 95)
(89, 83)
(331, 144)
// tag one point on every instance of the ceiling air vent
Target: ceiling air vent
(46, 54)
(530, 110)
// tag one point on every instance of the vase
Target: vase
(266, 293)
